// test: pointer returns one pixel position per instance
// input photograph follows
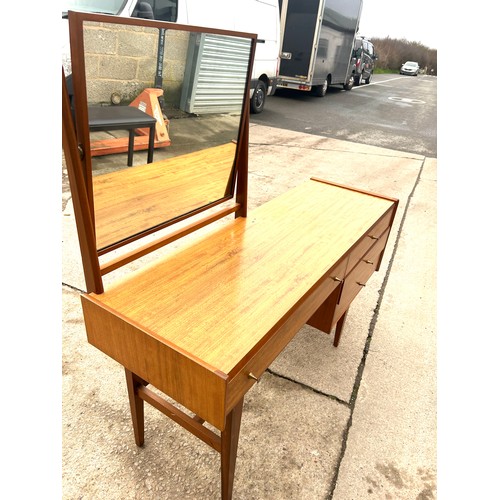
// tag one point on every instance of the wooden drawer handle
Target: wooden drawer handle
(372, 237)
(253, 377)
(368, 261)
(335, 278)
(361, 284)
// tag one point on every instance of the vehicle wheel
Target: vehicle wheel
(367, 80)
(350, 83)
(320, 90)
(357, 80)
(258, 98)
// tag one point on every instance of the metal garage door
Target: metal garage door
(216, 71)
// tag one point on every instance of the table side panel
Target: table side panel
(190, 382)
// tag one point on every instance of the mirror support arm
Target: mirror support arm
(242, 162)
(84, 220)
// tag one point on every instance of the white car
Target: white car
(409, 68)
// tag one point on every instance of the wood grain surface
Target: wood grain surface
(217, 298)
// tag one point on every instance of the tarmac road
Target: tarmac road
(393, 111)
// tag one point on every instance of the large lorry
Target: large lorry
(317, 43)
(254, 16)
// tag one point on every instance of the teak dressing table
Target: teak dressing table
(204, 322)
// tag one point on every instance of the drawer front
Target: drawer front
(358, 277)
(322, 319)
(243, 380)
(372, 237)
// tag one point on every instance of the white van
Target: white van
(253, 16)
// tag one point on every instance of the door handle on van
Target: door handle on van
(286, 55)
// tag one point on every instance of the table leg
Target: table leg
(230, 436)
(338, 328)
(130, 147)
(136, 406)
(151, 144)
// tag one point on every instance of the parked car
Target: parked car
(364, 60)
(409, 68)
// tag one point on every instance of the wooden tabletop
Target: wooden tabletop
(218, 297)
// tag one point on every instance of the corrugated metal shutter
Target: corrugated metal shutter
(216, 72)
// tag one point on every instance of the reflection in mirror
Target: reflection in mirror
(193, 85)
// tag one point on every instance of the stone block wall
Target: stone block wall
(122, 60)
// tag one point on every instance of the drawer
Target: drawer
(322, 318)
(358, 277)
(373, 236)
(279, 338)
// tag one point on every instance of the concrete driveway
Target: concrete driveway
(353, 422)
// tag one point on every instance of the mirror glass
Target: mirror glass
(191, 86)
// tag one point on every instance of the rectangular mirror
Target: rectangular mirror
(133, 76)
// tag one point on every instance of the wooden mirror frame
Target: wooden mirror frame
(76, 146)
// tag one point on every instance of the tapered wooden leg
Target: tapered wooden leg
(230, 436)
(338, 329)
(136, 406)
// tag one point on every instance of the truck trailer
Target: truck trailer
(317, 38)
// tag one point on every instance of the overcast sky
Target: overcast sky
(415, 20)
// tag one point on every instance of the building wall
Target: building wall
(122, 60)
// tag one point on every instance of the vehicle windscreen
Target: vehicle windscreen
(112, 7)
